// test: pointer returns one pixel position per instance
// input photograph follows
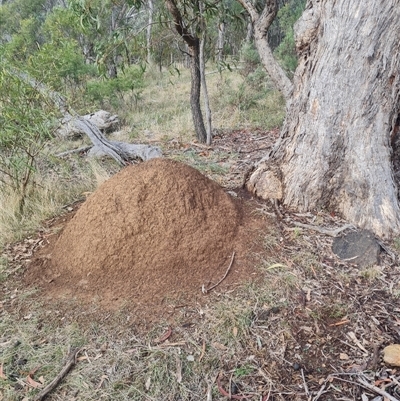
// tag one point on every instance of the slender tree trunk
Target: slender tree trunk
(193, 43)
(261, 23)
(148, 31)
(335, 150)
(195, 90)
(220, 41)
(205, 91)
(249, 32)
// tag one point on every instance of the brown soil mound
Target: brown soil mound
(154, 232)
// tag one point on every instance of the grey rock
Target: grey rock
(358, 247)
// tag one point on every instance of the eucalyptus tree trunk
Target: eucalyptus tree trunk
(193, 44)
(206, 98)
(335, 151)
(220, 41)
(148, 31)
(195, 90)
(261, 23)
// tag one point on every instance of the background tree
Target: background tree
(193, 43)
(336, 147)
(261, 21)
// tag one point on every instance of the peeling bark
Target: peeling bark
(335, 149)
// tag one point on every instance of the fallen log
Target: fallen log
(120, 151)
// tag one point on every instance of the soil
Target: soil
(155, 235)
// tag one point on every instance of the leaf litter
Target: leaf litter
(312, 327)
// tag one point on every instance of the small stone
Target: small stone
(360, 248)
(296, 366)
(391, 355)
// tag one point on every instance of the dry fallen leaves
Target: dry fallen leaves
(33, 383)
(164, 337)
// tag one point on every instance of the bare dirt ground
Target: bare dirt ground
(300, 325)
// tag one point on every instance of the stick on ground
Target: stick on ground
(206, 290)
(376, 390)
(71, 361)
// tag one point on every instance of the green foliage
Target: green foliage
(24, 43)
(250, 59)
(287, 16)
(112, 91)
(25, 126)
(60, 63)
(244, 370)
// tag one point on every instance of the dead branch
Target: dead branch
(71, 361)
(326, 231)
(376, 390)
(206, 290)
(72, 151)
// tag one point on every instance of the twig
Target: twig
(278, 212)
(262, 138)
(230, 396)
(210, 387)
(78, 150)
(387, 250)
(332, 233)
(266, 397)
(71, 361)
(178, 369)
(340, 323)
(305, 383)
(254, 150)
(376, 390)
(206, 290)
(198, 145)
(354, 338)
(167, 345)
(320, 392)
(203, 351)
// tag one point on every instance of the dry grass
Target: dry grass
(56, 184)
(164, 111)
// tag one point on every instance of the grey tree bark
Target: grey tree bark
(261, 23)
(206, 98)
(148, 31)
(220, 41)
(335, 149)
(193, 44)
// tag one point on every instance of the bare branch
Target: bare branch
(179, 24)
